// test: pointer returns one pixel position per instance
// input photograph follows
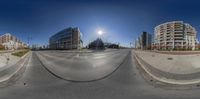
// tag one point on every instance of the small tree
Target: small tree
(199, 46)
(2, 47)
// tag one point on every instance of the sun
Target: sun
(100, 32)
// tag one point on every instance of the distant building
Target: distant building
(111, 45)
(144, 41)
(138, 43)
(96, 44)
(175, 35)
(35, 47)
(107, 44)
(69, 38)
(10, 42)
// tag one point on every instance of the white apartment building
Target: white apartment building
(10, 42)
(175, 35)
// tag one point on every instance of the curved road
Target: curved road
(125, 83)
(82, 66)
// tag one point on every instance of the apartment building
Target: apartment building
(175, 35)
(11, 42)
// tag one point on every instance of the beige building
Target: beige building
(10, 42)
(175, 35)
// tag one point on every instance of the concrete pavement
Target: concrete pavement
(178, 52)
(179, 64)
(171, 69)
(8, 59)
(11, 71)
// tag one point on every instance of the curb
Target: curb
(163, 79)
(11, 74)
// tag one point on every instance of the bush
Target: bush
(20, 53)
(2, 47)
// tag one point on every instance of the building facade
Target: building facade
(69, 38)
(175, 35)
(144, 41)
(11, 42)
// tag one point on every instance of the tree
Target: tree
(199, 46)
(2, 47)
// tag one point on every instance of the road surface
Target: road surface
(125, 83)
(82, 66)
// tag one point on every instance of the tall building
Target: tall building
(144, 41)
(11, 42)
(175, 35)
(69, 38)
(138, 43)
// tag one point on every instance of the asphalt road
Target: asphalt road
(82, 66)
(125, 83)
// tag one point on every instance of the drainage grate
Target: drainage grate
(169, 58)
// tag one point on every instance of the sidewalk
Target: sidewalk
(178, 52)
(7, 59)
(178, 64)
(172, 69)
(14, 68)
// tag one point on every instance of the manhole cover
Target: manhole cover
(25, 84)
(170, 58)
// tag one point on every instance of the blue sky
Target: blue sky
(121, 20)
